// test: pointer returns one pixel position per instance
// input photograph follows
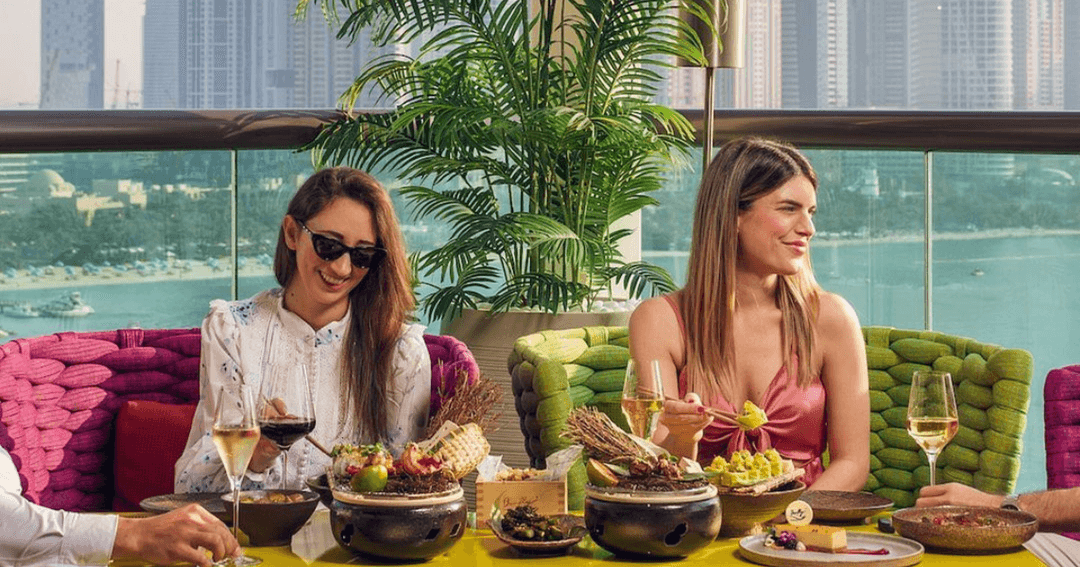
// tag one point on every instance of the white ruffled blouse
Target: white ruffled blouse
(235, 336)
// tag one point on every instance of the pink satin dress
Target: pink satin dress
(796, 426)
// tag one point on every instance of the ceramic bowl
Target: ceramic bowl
(654, 525)
(271, 523)
(321, 486)
(746, 513)
(918, 524)
(568, 523)
(405, 528)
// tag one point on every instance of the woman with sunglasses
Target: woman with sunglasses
(341, 311)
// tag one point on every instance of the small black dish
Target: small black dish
(320, 485)
(568, 523)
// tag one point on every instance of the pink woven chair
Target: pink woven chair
(60, 395)
(1061, 412)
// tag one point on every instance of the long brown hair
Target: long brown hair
(743, 171)
(379, 304)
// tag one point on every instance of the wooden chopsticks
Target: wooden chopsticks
(722, 415)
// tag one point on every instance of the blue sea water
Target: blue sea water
(1018, 292)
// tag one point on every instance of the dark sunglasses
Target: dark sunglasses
(363, 256)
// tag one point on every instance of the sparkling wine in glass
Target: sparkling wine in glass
(286, 409)
(236, 431)
(643, 397)
(931, 418)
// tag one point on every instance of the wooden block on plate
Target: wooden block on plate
(547, 496)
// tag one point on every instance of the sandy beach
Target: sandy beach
(107, 275)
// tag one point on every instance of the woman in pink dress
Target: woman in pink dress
(752, 324)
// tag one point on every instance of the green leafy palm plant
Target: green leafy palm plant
(542, 123)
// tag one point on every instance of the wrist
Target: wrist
(125, 543)
(1009, 502)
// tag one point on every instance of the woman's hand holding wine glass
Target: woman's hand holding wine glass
(932, 418)
(287, 411)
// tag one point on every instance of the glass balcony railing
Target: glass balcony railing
(960, 222)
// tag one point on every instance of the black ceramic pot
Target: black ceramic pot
(652, 524)
(398, 528)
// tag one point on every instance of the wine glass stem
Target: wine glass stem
(931, 458)
(285, 468)
(235, 506)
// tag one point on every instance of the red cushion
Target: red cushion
(149, 439)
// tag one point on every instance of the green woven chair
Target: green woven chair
(555, 371)
(992, 385)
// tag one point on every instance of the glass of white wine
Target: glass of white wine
(236, 432)
(931, 417)
(643, 397)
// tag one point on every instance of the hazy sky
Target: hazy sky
(20, 51)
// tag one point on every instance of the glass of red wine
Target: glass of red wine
(286, 409)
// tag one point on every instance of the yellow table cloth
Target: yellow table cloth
(314, 545)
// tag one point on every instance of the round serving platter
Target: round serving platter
(842, 506)
(902, 552)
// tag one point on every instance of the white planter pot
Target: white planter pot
(491, 340)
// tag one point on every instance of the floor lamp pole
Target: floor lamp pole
(710, 118)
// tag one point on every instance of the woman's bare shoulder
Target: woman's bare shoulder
(655, 313)
(836, 315)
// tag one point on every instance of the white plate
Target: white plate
(902, 552)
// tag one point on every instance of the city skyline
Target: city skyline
(20, 41)
(802, 54)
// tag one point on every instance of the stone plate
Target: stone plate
(569, 523)
(169, 502)
(1019, 527)
(902, 552)
(840, 506)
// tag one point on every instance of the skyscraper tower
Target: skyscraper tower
(323, 66)
(163, 32)
(758, 83)
(961, 54)
(72, 54)
(1039, 54)
(247, 54)
(878, 54)
(815, 53)
(1072, 55)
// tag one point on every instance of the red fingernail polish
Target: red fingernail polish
(701, 409)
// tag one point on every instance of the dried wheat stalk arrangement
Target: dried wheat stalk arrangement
(471, 403)
(600, 436)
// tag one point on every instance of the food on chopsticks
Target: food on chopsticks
(752, 417)
(435, 465)
(615, 458)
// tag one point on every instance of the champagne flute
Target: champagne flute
(236, 433)
(931, 417)
(643, 398)
(286, 409)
